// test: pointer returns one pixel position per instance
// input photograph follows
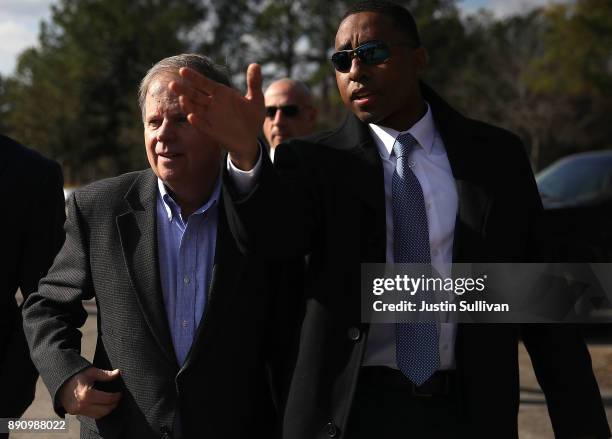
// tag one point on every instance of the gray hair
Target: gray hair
(172, 64)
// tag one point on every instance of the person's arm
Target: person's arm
(558, 353)
(563, 367)
(274, 210)
(52, 316)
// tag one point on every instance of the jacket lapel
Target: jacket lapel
(474, 202)
(227, 272)
(365, 173)
(138, 233)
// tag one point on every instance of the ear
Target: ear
(421, 59)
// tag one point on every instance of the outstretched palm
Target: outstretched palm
(222, 113)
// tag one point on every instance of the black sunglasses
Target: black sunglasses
(370, 53)
(286, 110)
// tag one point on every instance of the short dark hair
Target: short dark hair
(401, 17)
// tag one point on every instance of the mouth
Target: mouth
(167, 156)
(280, 135)
(363, 96)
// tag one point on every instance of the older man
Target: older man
(184, 317)
(289, 112)
(406, 178)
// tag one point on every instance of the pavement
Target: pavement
(533, 416)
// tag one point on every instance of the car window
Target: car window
(576, 178)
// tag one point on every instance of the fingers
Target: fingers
(254, 80)
(96, 411)
(102, 375)
(198, 81)
(98, 397)
(189, 107)
(197, 121)
(185, 91)
(95, 403)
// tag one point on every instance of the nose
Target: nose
(165, 132)
(278, 117)
(356, 71)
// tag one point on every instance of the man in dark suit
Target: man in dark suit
(32, 224)
(184, 318)
(471, 198)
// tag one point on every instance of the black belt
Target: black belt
(440, 384)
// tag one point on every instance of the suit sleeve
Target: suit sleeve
(563, 368)
(53, 314)
(281, 212)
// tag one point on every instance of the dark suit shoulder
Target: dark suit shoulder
(25, 160)
(485, 131)
(109, 193)
(501, 145)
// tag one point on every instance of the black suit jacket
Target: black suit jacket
(111, 254)
(331, 191)
(32, 225)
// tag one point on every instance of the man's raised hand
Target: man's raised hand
(223, 114)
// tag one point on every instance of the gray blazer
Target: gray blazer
(111, 254)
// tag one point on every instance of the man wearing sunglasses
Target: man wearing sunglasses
(406, 178)
(289, 112)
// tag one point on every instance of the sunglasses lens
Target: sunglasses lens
(271, 112)
(290, 110)
(373, 53)
(286, 110)
(342, 61)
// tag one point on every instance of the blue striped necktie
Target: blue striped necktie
(416, 344)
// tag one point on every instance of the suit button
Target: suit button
(354, 333)
(332, 430)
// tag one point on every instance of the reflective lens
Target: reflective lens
(286, 110)
(370, 53)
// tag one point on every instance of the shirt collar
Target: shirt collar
(172, 208)
(423, 131)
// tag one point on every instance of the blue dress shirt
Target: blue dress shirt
(186, 257)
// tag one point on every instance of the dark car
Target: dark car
(576, 193)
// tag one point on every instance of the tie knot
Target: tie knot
(404, 144)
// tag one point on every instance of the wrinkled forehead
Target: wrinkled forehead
(362, 27)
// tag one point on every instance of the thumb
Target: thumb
(253, 80)
(104, 375)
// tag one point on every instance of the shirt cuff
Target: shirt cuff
(244, 181)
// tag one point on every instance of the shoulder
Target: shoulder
(497, 145)
(25, 159)
(325, 147)
(107, 193)
(490, 133)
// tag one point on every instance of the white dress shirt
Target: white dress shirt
(430, 165)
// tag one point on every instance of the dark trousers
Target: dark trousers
(388, 406)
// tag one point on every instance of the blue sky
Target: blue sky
(19, 21)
